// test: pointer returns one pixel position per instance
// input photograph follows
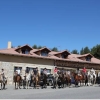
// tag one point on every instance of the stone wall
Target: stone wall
(9, 68)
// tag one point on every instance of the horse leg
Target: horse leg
(54, 84)
(23, 85)
(15, 85)
(3, 85)
(27, 84)
(19, 85)
(36, 84)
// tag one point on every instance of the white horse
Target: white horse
(55, 79)
(91, 78)
(26, 80)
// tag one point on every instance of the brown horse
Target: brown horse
(35, 79)
(17, 80)
(78, 78)
(68, 79)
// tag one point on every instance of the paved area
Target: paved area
(92, 92)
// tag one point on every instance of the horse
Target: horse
(35, 80)
(3, 81)
(17, 80)
(43, 80)
(61, 80)
(26, 80)
(91, 78)
(67, 78)
(55, 79)
(79, 79)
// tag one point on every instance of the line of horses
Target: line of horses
(60, 80)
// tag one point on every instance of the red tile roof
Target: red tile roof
(42, 49)
(51, 55)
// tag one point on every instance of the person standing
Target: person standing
(2, 73)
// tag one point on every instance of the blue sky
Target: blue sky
(65, 24)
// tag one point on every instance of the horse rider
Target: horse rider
(62, 70)
(18, 71)
(68, 72)
(35, 71)
(78, 72)
(55, 70)
(45, 71)
(84, 71)
(92, 71)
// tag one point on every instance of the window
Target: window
(25, 52)
(64, 55)
(88, 59)
(44, 53)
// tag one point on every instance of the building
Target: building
(27, 58)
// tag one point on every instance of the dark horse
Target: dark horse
(17, 80)
(61, 80)
(43, 80)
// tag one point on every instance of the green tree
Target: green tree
(75, 52)
(39, 47)
(86, 50)
(82, 51)
(34, 46)
(55, 49)
(95, 51)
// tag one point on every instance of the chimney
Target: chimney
(9, 45)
